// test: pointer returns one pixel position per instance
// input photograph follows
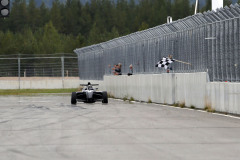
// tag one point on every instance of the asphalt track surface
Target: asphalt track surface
(48, 127)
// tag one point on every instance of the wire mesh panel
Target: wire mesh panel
(236, 41)
(8, 67)
(209, 41)
(39, 67)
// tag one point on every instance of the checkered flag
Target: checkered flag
(164, 62)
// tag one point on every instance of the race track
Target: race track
(48, 127)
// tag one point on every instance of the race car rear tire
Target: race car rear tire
(105, 97)
(74, 98)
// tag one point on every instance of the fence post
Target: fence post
(62, 59)
(19, 73)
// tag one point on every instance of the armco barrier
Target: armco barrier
(194, 89)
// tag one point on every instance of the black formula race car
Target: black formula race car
(89, 95)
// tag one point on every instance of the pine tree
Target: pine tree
(27, 43)
(169, 7)
(95, 35)
(227, 2)
(181, 9)
(33, 15)
(86, 20)
(208, 6)
(162, 10)
(43, 15)
(55, 15)
(70, 43)
(131, 12)
(114, 33)
(72, 12)
(51, 40)
(143, 26)
(145, 15)
(121, 17)
(19, 16)
(80, 40)
(8, 43)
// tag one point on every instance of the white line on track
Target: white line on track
(230, 116)
(219, 114)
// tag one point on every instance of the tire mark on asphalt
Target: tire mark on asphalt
(21, 153)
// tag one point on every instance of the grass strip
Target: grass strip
(33, 91)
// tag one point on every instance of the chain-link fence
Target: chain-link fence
(209, 41)
(39, 67)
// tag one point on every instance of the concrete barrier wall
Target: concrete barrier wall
(39, 84)
(193, 89)
(160, 88)
(225, 97)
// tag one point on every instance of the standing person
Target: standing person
(169, 68)
(114, 69)
(118, 69)
(130, 70)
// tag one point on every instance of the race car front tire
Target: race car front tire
(105, 97)
(74, 98)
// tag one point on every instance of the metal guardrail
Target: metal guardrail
(209, 41)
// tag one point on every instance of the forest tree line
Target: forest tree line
(64, 27)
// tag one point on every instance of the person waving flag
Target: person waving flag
(165, 62)
(168, 60)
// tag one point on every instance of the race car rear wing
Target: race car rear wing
(89, 84)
